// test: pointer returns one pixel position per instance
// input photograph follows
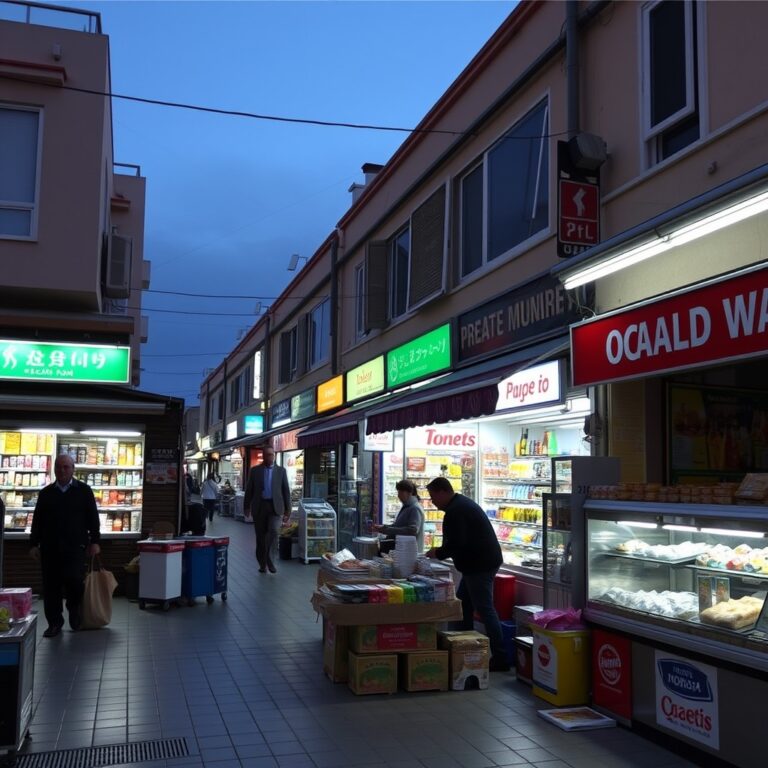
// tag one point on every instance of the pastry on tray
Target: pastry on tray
(733, 614)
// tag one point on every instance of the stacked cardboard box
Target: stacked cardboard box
(469, 654)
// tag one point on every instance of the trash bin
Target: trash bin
(159, 571)
(284, 547)
(197, 569)
(561, 662)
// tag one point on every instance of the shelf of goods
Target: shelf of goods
(512, 490)
(26, 466)
(114, 468)
(317, 529)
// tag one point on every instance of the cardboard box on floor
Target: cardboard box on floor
(469, 657)
(386, 638)
(424, 671)
(372, 674)
(335, 651)
(360, 614)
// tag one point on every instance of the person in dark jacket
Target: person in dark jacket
(471, 542)
(65, 528)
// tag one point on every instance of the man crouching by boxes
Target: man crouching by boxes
(469, 539)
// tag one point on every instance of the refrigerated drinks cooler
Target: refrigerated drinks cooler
(317, 529)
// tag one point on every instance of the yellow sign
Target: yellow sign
(330, 394)
(366, 379)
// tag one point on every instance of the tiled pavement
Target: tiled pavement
(243, 682)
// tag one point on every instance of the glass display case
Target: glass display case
(692, 575)
(348, 513)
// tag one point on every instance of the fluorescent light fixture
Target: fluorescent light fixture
(109, 433)
(689, 528)
(685, 234)
(732, 532)
(638, 524)
(48, 430)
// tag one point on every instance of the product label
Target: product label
(686, 699)
(544, 663)
(612, 673)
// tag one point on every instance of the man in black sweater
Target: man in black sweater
(65, 527)
(469, 539)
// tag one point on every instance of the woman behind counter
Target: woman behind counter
(409, 520)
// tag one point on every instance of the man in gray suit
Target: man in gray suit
(269, 498)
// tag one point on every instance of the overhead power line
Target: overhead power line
(284, 119)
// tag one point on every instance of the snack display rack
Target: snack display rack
(317, 529)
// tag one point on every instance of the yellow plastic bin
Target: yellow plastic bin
(561, 662)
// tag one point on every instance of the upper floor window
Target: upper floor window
(360, 287)
(670, 77)
(319, 333)
(505, 199)
(400, 263)
(19, 178)
(289, 355)
(239, 394)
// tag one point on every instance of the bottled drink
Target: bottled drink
(552, 443)
(524, 442)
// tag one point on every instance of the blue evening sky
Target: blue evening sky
(229, 199)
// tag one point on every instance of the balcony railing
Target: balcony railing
(50, 16)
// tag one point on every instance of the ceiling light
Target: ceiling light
(680, 236)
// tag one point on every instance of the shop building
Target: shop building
(72, 225)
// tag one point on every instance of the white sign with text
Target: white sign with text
(444, 437)
(538, 385)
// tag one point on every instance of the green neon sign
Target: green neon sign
(53, 361)
(421, 357)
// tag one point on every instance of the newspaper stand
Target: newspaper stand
(159, 571)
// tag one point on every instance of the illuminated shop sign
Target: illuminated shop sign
(53, 361)
(303, 405)
(330, 394)
(254, 424)
(257, 376)
(281, 413)
(205, 443)
(425, 355)
(722, 320)
(366, 379)
(231, 430)
(538, 385)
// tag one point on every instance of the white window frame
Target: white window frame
(360, 300)
(15, 205)
(313, 362)
(652, 131)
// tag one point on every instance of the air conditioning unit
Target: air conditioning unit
(117, 272)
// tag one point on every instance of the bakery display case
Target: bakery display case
(693, 576)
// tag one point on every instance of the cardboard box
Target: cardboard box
(335, 651)
(372, 674)
(524, 659)
(424, 671)
(384, 638)
(469, 654)
(523, 616)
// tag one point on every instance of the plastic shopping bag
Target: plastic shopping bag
(559, 620)
(97, 599)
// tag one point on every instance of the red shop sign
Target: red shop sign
(723, 320)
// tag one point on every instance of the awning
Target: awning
(466, 394)
(342, 427)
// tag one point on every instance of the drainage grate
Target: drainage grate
(114, 754)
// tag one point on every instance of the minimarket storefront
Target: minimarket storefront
(676, 555)
(126, 445)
